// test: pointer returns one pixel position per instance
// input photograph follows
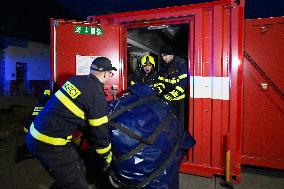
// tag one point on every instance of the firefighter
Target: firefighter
(79, 102)
(22, 152)
(172, 81)
(146, 73)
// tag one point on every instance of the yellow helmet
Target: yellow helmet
(147, 59)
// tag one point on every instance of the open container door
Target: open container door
(263, 116)
(75, 44)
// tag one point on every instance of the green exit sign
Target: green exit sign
(89, 30)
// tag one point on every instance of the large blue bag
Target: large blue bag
(147, 140)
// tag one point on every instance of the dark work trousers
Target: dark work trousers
(178, 108)
(63, 164)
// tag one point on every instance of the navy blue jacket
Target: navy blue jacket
(79, 102)
(172, 79)
(141, 77)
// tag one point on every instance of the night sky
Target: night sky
(30, 19)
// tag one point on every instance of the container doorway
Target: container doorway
(148, 40)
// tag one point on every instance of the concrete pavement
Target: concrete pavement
(29, 174)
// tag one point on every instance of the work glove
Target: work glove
(158, 87)
(107, 162)
(167, 97)
(113, 180)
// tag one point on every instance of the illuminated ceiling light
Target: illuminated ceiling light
(158, 27)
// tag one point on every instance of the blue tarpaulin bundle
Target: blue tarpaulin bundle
(147, 140)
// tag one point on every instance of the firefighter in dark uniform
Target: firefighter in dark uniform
(172, 81)
(22, 152)
(40, 104)
(79, 102)
(146, 73)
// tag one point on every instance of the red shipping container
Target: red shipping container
(215, 54)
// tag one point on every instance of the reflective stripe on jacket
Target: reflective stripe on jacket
(39, 106)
